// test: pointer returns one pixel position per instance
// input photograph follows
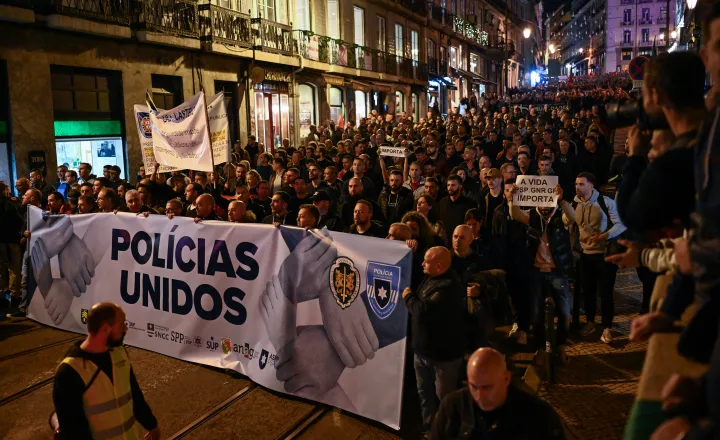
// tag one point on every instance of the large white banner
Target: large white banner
(180, 136)
(219, 128)
(315, 314)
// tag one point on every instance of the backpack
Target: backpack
(612, 247)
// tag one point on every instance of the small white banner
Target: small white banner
(392, 151)
(536, 191)
(144, 126)
(219, 128)
(180, 136)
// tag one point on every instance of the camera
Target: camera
(627, 112)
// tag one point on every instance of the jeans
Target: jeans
(435, 379)
(598, 277)
(552, 284)
(10, 262)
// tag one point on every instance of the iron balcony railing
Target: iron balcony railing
(332, 51)
(173, 17)
(225, 26)
(273, 36)
(405, 67)
(106, 11)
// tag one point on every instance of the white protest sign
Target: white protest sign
(219, 128)
(536, 191)
(392, 151)
(144, 126)
(180, 136)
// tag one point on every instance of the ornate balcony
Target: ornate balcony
(107, 11)
(391, 64)
(178, 18)
(225, 26)
(272, 36)
(405, 67)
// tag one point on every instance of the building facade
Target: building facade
(634, 26)
(72, 71)
(575, 37)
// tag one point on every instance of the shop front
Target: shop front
(88, 119)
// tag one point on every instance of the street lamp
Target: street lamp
(691, 4)
(526, 32)
(581, 50)
(673, 34)
(551, 48)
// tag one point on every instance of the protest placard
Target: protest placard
(392, 151)
(536, 191)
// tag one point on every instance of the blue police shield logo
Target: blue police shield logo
(383, 288)
(143, 120)
(262, 362)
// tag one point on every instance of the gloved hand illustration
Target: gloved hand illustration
(55, 232)
(315, 366)
(58, 300)
(278, 313)
(41, 266)
(303, 273)
(350, 329)
(77, 265)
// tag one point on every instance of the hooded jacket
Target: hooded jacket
(591, 219)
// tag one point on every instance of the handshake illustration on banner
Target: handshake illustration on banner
(312, 358)
(55, 237)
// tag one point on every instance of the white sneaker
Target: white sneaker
(588, 329)
(521, 337)
(513, 330)
(607, 336)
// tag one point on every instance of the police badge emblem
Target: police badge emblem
(226, 344)
(344, 281)
(84, 315)
(144, 124)
(383, 288)
(262, 362)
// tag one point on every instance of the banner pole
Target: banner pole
(207, 124)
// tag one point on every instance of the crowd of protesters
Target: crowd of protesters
(480, 261)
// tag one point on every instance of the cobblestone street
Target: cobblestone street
(594, 392)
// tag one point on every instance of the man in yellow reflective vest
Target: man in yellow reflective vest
(96, 395)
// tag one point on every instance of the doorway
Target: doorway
(272, 119)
